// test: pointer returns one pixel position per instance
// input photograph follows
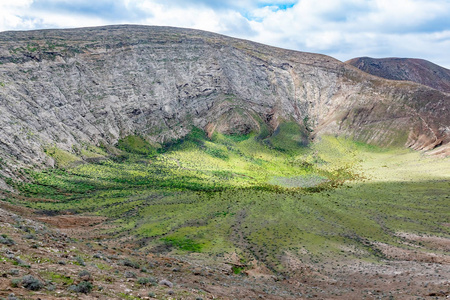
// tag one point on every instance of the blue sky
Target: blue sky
(341, 28)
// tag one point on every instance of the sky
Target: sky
(343, 29)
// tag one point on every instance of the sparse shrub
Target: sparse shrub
(25, 228)
(30, 236)
(84, 287)
(5, 240)
(129, 263)
(12, 297)
(142, 280)
(129, 274)
(151, 294)
(15, 282)
(85, 275)
(14, 272)
(146, 280)
(20, 262)
(31, 283)
(80, 261)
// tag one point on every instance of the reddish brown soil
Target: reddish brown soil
(54, 249)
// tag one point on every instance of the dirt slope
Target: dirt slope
(61, 258)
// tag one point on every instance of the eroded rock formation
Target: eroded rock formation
(70, 88)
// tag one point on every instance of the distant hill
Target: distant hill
(416, 70)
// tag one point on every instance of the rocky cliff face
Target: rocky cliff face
(415, 70)
(78, 87)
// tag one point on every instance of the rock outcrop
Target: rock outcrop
(91, 86)
(411, 69)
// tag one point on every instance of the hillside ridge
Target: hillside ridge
(70, 88)
(410, 69)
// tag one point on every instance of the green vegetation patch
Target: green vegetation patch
(299, 181)
(237, 269)
(288, 137)
(238, 137)
(183, 243)
(57, 278)
(63, 159)
(333, 199)
(136, 144)
(196, 138)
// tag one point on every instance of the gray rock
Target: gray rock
(70, 88)
(4, 186)
(166, 283)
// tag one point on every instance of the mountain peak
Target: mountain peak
(410, 69)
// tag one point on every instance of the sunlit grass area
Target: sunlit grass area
(331, 200)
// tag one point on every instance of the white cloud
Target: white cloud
(349, 28)
(10, 15)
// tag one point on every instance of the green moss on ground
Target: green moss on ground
(334, 199)
(63, 159)
(136, 144)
